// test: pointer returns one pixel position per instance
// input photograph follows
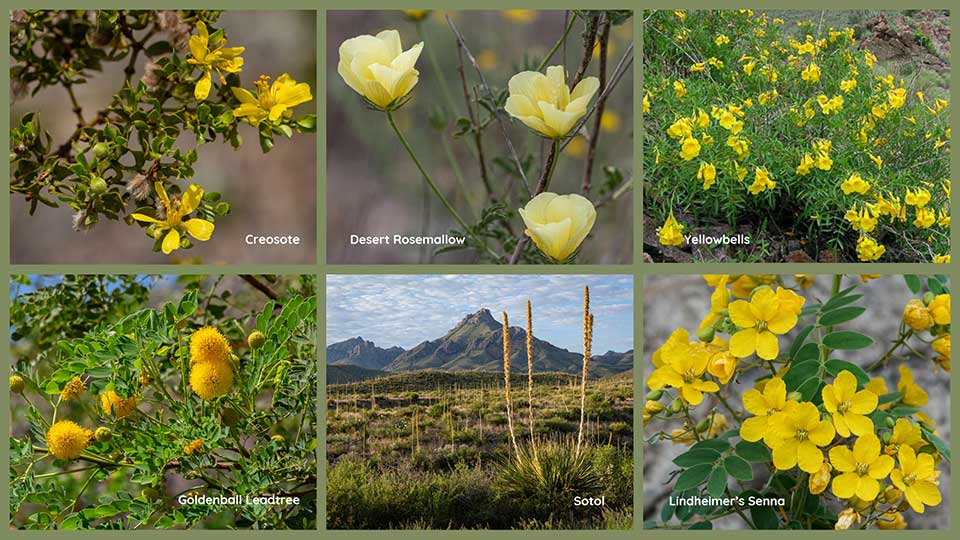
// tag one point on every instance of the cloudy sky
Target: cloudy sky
(405, 310)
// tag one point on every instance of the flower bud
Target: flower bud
(676, 406)
(928, 297)
(892, 495)
(278, 439)
(652, 407)
(706, 335)
(101, 150)
(795, 396)
(256, 339)
(703, 425)
(917, 316)
(890, 422)
(98, 185)
(654, 395)
(16, 384)
(886, 437)
(819, 480)
(103, 434)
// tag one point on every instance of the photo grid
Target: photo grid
(344, 270)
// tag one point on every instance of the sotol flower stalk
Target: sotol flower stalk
(587, 344)
(533, 443)
(506, 382)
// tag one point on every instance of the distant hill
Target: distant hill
(424, 381)
(342, 374)
(361, 353)
(475, 344)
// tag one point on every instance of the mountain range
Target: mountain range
(474, 344)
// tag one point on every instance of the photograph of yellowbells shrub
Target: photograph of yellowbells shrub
(797, 402)
(134, 397)
(797, 136)
(112, 116)
(513, 147)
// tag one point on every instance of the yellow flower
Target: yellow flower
(646, 102)
(942, 259)
(855, 184)
(861, 469)
(764, 406)
(925, 218)
(176, 210)
(849, 407)
(73, 389)
(740, 146)
(942, 344)
(690, 148)
(818, 481)
(679, 88)
(416, 14)
(806, 165)
(891, 521)
(811, 73)
(377, 67)
(67, 440)
(848, 85)
(868, 249)
(729, 122)
(208, 345)
(904, 433)
(707, 173)
(545, 104)
(719, 300)
(671, 233)
(119, 407)
(804, 281)
(913, 395)
(846, 519)
(16, 384)
(761, 182)
(609, 121)
(682, 365)
(877, 160)
(940, 309)
(722, 365)
(760, 321)
(721, 39)
(558, 224)
(193, 447)
(272, 101)
(916, 477)
(917, 316)
(897, 97)
(682, 128)
(207, 59)
(799, 434)
(210, 380)
(919, 197)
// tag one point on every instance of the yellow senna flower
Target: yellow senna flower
(719, 300)
(558, 224)
(917, 479)
(545, 103)
(849, 407)
(678, 339)
(272, 101)
(764, 405)
(682, 366)
(818, 481)
(760, 321)
(891, 521)
(940, 309)
(689, 148)
(942, 344)
(67, 440)
(855, 184)
(868, 249)
(913, 395)
(905, 433)
(762, 181)
(846, 519)
(811, 73)
(917, 316)
(176, 210)
(377, 67)
(860, 469)
(707, 173)
(671, 233)
(799, 435)
(208, 59)
(722, 365)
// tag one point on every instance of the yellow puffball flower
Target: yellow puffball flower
(545, 104)
(818, 481)
(905, 433)
(913, 395)
(762, 181)
(760, 321)
(377, 67)
(940, 309)
(176, 210)
(210, 380)
(67, 440)
(849, 407)
(689, 148)
(811, 73)
(193, 447)
(682, 365)
(917, 316)
(73, 389)
(799, 434)
(868, 249)
(891, 521)
(861, 469)
(120, 407)
(707, 173)
(917, 479)
(208, 59)
(558, 224)
(855, 184)
(208, 345)
(671, 233)
(272, 101)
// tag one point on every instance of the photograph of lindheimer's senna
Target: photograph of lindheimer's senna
(487, 137)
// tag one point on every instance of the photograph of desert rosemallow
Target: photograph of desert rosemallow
(492, 137)
(479, 402)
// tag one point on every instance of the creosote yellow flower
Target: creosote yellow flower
(67, 440)
(558, 224)
(173, 222)
(545, 103)
(377, 67)
(272, 101)
(208, 59)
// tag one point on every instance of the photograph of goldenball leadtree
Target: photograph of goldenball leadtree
(162, 136)
(498, 137)
(479, 402)
(797, 136)
(163, 402)
(797, 402)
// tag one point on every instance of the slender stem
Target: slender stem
(448, 150)
(556, 46)
(73, 506)
(551, 166)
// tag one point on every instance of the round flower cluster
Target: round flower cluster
(120, 407)
(211, 374)
(67, 440)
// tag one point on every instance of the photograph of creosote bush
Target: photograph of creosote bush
(495, 137)
(797, 136)
(155, 136)
(163, 402)
(479, 402)
(797, 402)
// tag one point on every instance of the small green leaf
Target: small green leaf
(834, 367)
(702, 525)
(841, 315)
(738, 468)
(913, 283)
(694, 476)
(696, 456)
(839, 301)
(755, 452)
(717, 484)
(798, 341)
(847, 340)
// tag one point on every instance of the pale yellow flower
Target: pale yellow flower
(558, 224)
(545, 103)
(378, 68)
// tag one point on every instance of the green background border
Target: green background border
(637, 269)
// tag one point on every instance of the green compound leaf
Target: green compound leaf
(841, 315)
(694, 476)
(847, 341)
